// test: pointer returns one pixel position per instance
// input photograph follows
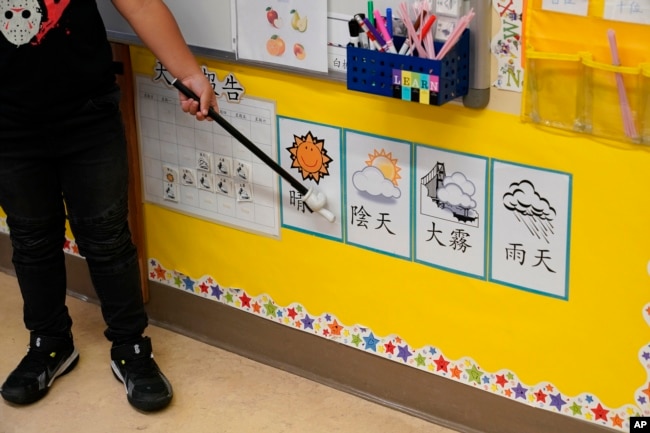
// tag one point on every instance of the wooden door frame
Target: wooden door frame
(124, 74)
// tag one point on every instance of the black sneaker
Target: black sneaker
(146, 387)
(47, 358)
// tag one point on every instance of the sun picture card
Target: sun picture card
(378, 193)
(311, 153)
(290, 33)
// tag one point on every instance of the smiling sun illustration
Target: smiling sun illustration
(309, 157)
(386, 164)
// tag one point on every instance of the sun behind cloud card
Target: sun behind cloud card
(378, 193)
(284, 32)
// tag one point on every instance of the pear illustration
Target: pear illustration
(297, 22)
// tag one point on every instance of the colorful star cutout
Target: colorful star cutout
(245, 300)
(441, 363)
(600, 412)
(520, 391)
(335, 328)
(204, 287)
(501, 380)
(474, 374)
(159, 272)
(403, 352)
(270, 308)
(308, 322)
(371, 342)
(189, 284)
(576, 409)
(556, 401)
(216, 291)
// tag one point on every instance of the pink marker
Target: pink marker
(381, 25)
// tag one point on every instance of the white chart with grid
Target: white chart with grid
(199, 169)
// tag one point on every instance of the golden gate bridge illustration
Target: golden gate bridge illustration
(433, 182)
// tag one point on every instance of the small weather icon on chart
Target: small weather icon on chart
(309, 157)
(380, 176)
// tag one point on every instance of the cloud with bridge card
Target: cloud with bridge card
(530, 209)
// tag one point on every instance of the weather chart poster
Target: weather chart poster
(285, 32)
(530, 228)
(311, 153)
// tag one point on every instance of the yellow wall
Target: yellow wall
(586, 346)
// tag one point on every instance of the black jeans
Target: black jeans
(75, 168)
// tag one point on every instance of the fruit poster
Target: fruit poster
(285, 32)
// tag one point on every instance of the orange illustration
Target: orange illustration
(275, 46)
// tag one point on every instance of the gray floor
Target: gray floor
(215, 391)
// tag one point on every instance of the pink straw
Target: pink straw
(423, 8)
(626, 112)
(414, 39)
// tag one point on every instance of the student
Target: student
(63, 156)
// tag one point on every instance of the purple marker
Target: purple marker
(371, 31)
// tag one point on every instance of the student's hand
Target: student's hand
(200, 85)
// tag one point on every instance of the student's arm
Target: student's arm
(155, 25)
